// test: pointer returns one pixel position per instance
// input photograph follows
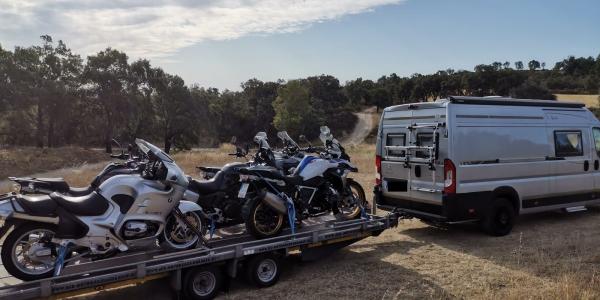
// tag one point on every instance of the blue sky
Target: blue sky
(221, 43)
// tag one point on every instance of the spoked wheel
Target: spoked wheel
(28, 252)
(351, 204)
(177, 235)
(203, 283)
(261, 220)
(263, 270)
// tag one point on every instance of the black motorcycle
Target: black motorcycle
(218, 196)
(133, 163)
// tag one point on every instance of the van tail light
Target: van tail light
(378, 169)
(449, 177)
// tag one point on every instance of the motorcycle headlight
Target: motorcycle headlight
(16, 188)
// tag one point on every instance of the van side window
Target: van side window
(426, 140)
(568, 143)
(596, 132)
(396, 139)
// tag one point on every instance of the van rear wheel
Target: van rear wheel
(500, 219)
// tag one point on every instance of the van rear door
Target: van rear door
(394, 174)
(409, 166)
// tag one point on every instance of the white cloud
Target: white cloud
(158, 28)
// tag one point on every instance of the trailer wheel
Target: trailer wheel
(500, 219)
(263, 270)
(203, 283)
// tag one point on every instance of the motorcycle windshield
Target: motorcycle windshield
(149, 148)
(175, 174)
(284, 136)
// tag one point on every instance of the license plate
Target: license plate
(243, 190)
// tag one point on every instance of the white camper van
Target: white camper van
(486, 159)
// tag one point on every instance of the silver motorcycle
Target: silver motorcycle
(126, 212)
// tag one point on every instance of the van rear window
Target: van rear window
(424, 140)
(396, 139)
(568, 143)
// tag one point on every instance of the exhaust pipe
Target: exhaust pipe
(275, 202)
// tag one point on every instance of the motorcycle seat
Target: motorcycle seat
(42, 206)
(203, 187)
(51, 184)
(209, 169)
(92, 204)
(79, 191)
(55, 184)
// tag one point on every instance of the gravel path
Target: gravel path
(363, 127)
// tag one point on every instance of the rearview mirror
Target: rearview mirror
(233, 140)
(114, 141)
(260, 136)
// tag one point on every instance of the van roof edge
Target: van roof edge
(512, 102)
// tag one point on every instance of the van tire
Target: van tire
(500, 218)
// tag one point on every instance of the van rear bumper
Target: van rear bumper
(454, 208)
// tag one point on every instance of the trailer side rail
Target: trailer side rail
(95, 277)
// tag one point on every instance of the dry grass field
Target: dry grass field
(30, 160)
(589, 100)
(548, 256)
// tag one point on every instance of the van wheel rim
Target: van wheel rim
(204, 283)
(27, 245)
(503, 218)
(267, 270)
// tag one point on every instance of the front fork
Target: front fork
(195, 229)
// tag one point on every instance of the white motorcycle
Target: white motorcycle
(126, 212)
(317, 186)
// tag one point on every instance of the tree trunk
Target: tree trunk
(51, 132)
(40, 125)
(168, 144)
(108, 136)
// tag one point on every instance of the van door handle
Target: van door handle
(586, 165)
(596, 165)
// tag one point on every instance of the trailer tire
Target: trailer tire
(203, 283)
(500, 218)
(263, 270)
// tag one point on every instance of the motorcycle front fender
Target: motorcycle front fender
(189, 206)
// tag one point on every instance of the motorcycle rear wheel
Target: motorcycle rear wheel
(18, 244)
(353, 211)
(261, 220)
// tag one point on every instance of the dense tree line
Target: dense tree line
(50, 96)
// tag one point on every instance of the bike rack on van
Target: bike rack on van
(411, 150)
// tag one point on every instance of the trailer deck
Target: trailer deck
(312, 241)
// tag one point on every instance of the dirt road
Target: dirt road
(363, 127)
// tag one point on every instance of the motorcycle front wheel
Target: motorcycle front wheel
(261, 220)
(177, 236)
(28, 252)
